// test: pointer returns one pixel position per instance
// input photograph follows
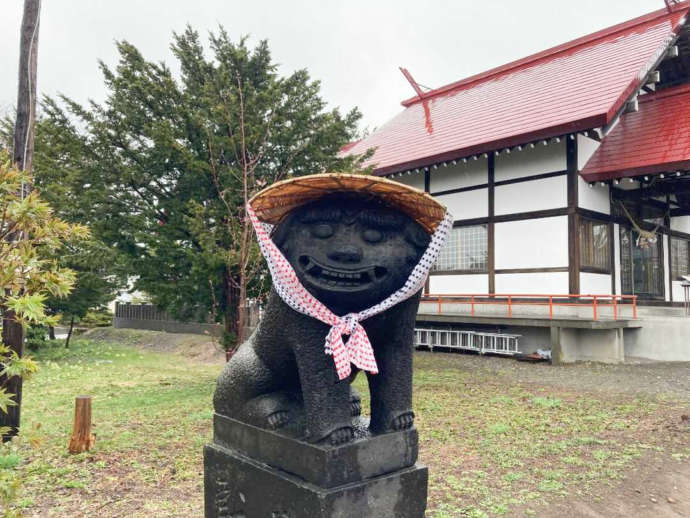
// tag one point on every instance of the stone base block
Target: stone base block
(239, 487)
(320, 464)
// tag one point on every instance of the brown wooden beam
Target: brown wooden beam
(573, 218)
(491, 231)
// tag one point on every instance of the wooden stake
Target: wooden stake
(82, 438)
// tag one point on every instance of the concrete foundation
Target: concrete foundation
(600, 345)
(660, 338)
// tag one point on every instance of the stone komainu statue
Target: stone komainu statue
(353, 242)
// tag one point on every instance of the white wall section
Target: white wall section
(681, 224)
(617, 257)
(468, 204)
(532, 243)
(595, 284)
(594, 198)
(413, 179)
(459, 284)
(474, 172)
(585, 149)
(528, 162)
(667, 273)
(555, 283)
(549, 193)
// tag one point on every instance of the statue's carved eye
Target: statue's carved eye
(322, 230)
(372, 236)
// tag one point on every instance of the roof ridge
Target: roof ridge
(533, 58)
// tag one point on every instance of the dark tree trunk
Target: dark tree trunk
(26, 96)
(12, 332)
(232, 301)
(69, 333)
(51, 332)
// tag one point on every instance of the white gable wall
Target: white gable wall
(594, 198)
(585, 149)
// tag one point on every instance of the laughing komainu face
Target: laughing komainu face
(349, 251)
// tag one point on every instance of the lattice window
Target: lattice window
(466, 250)
(642, 271)
(680, 258)
(595, 245)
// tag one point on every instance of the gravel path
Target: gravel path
(635, 377)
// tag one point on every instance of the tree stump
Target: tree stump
(82, 439)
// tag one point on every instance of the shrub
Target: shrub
(36, 337)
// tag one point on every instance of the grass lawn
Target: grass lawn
(495, 444)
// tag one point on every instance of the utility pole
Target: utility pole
(12, 332)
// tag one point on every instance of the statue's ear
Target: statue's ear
(415, 234)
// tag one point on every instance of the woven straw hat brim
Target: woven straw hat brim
(274, 202)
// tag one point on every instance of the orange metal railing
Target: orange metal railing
(596, 302)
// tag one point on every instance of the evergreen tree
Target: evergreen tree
(161, 171)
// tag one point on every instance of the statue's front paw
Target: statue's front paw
(341, 435)
(403, 421)
(277, 420)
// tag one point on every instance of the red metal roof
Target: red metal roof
(654, 139)
(576, 86)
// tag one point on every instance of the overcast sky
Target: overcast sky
(354, 47)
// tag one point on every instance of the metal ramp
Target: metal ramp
(483, 343)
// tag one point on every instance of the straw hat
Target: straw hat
(275, 201)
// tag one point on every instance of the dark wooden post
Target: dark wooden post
(12, 332)
(573, 216)
(82, 439)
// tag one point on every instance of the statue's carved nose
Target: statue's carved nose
(346, 254)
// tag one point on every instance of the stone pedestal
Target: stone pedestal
(256, 473)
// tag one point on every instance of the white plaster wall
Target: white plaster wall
(549, 193)
(594, 198)
(532, 243)
(466, 205)
(555, 283)
(413, 179)
(681, 224)
(617, 257)
(474, 172)
(667, 273)
(595, 284)
(678, 292)
(459, 284)
(585, 149)
(541, 159)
